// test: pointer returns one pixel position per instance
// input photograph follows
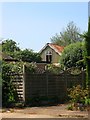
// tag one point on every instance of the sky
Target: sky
(32, 24)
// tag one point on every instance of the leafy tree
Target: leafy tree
(72, 55)
(67, 36)
(29, 56)
(10, 47)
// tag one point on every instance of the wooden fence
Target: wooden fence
(18, 82)
(46, 84)
(51, 85)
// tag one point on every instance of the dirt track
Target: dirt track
(59, 111)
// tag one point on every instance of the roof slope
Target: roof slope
(6, 57)
(58, 49)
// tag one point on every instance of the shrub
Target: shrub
(54, 69)
(9, 95)
(70, 107)
(72, 56)
(87, 101)
(77, 94)
(30, 67)
(78, 97)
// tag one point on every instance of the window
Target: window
(48, 57)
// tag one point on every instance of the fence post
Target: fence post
(47, 82)
(66, 85)
(24, 83)
(83, 79)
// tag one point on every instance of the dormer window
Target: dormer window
(48, 56)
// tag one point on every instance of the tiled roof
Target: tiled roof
(58, 49)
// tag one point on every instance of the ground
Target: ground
(58, 111)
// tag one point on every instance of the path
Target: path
(58, 112)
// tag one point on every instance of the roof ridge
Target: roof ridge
(55, 47)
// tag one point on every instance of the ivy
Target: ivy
(9, 95)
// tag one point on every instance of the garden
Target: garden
(78, 96)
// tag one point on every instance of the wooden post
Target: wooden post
(47, 82)
(24, 83)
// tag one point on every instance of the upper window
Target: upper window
(48, 57)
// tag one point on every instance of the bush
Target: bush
(30, 67)
(70, 107)
(77, 94)
(54, 69)
(72, 56)
(87, 101)
(78, 97)
(9, 96)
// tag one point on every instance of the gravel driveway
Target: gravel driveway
(59, 111)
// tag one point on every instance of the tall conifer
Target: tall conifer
(87, 57)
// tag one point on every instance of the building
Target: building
(51, 53)
(6, 57)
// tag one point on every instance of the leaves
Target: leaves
(72, 55)
(68, 35)
(9, 92)
(87, 57)
(11, 48)
(77, 94)
(29, 56)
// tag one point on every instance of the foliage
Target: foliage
(72, 56)
(87, 101)
(79, 98)
(77, 94)
(30, 67)
(54, 69)
(16, 67)
(87, 58)
(10, 47)
(0, 84)
(28, 56)
(74, 70)
(70, 107)
(9, 95)
(68, 35)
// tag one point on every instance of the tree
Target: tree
(87, 57)
(29, 56)
(72, 56)
(67, 36)
(10, 47)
